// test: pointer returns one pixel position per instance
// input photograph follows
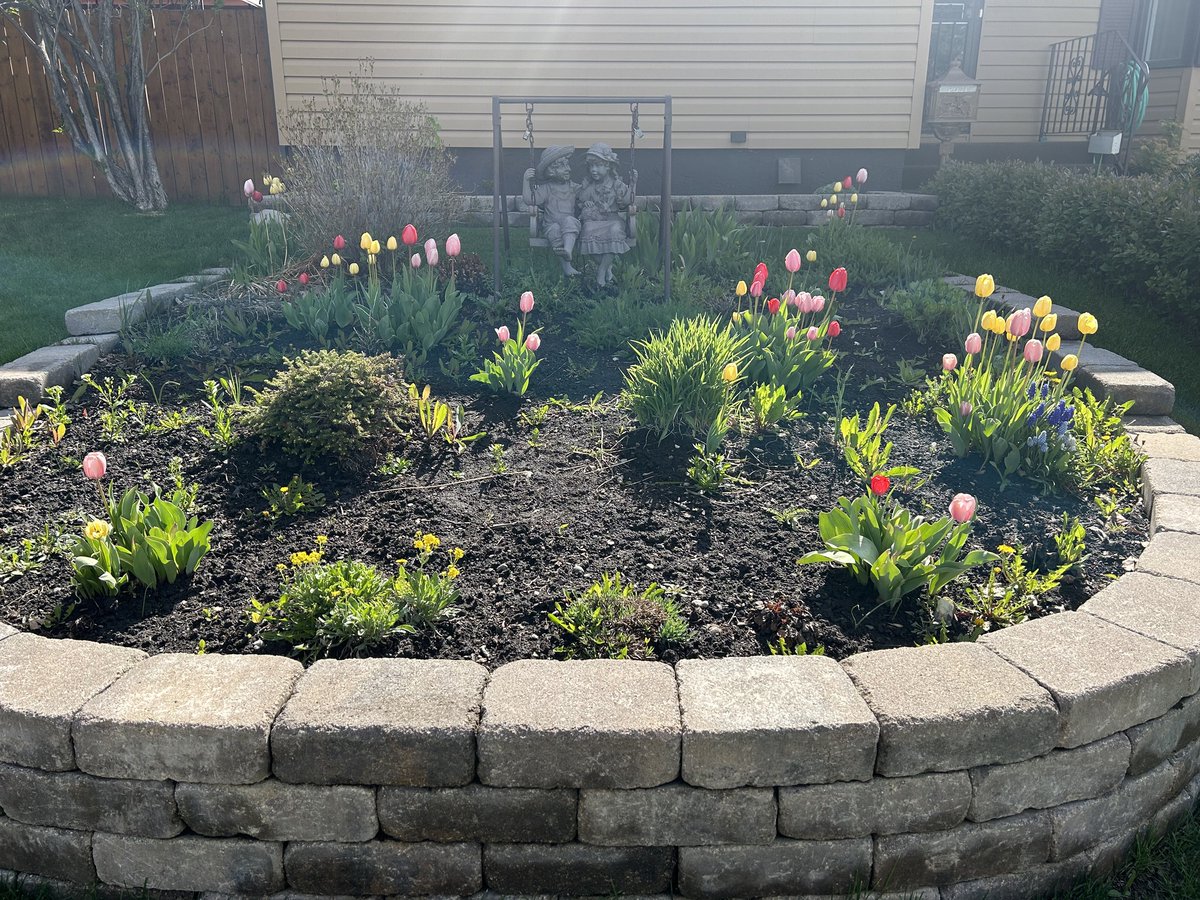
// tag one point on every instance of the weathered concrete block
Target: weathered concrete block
(104, 343)
(577, 869)
(1165, 609)
(1159, 739)
(1104, 678)
(952, 707)
(808, 202)
(274, 811)
(1152, 425)
(914, 218)
(891, 200)
(189, 863)
(1163, 477)
(86, 803)
(53, 852)
(187, 718)
(874, 217)
(478, 813)
(1175, 512)
(43, 684)
(384, 867)
(755, 202)
(613, 724)
(1038, 881)
(972, 850)
(1092, 357)
(6, 630)
(880, 806)
(748, 217)
(786, 217)
(1061, 776)
(923, 201)
(713, 202)
(30, 375)
(1151, 394)
(381, 721)
(1087, 823)
(1171, 553)
(780, 868)
(773, 720)
(107, 316)
(1168, 445)
(677, 815)
(202, 280)
(216, 270)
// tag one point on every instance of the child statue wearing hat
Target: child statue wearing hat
(553, 196)
(603, 203)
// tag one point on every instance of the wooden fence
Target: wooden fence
(211, 107)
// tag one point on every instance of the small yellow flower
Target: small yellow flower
(280, 566)
(452, 571)
(741, 289)
(457, 553)
(402, 563)
(1088, 323)
(337, 260)
(811, 256)
(833, 199)
(1043, 306)
(353, 268)
(283, 490)
(985, 286)
(1053, 342)
(836, 187)
(96, 530)
(391, 243)
(824, 203)
(1050, 322)
(1006, 550)
(730, 373)
(1070, 361)
(322, 540)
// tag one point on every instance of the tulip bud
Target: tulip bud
(1042, 307)
(1050, 322)
(94, 466)
(756, 289)
(324, 262)
(847, 183)
(741, 289)
(760, 273)
(835, 328)
(811, 256)
(374, 248)
(974, 343)
(453, 245)
(789, 297)
(730, 373)
(790, 334)
(773, 305)
(533, 342)
(962, 508)
(1020, 322)
(430, 246)
(392, 244)
(818, 303)
(339, 243)
(1053, 342)
(353, 268)
(965, 408)
(364, 242)
(304, 279)
(841, 212)
(1070, 361)
(949, 362)
(256, 196)
(880, 485)
(248, 187)
(527, 302)
(862, 176)
(1033, 351)
(824, 203)
(837, 279)
(409, 235)
(415, 261)
(837, 186)
(813, 333)
(1088, 323)
(281, 286)
(854, 197)
(792, 261)
(337, 260)
(502, 333)
(985, 285)
(432, 256)
(989, 320)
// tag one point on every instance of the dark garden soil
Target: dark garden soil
(582, 494)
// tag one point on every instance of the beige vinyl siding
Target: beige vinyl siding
(808, 74)
(1014, 59)
(1168, 99)
(1191, 107)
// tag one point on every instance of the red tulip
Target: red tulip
(773, 305)
(835, 328)
(256, 196)
(281, 286)
(841, 212)
(409, 235)
(339, 243)
(837, 279)
(760, 273)
(847, 183)
(880, 485)
(304, 279)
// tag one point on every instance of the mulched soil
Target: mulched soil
(583, 494)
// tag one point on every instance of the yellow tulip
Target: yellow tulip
(324, 262)
(1087, 323)
(371, 257)
(374, 248)
(741, 289)
(1070, 361)
(824, 203)
(1050, 322)
(364, 242)
(1043, 306)
(337, 260)
(989, 319)
(353, 268)
(391, 244)
(833, 199)
(1000, 326)
(854, 198)
(985, 285)
(811, 256)
(730, 373)
(836, 187)
(737, 318)
(1053, 342)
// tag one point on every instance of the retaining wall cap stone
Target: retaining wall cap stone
(1165, 609)
(6, 630)
(189, 863)
(43, 684)
(1104, 678)
(274, 811)
(1093, 358)
(1158, 445)
(380, 722)
(31, 375)
(1171, 553)
(1169, 476)
(952, 706)
(1150, 394)
(784, 867)
(384, 867)
(187, 718)
(105, 343)
(1175, 512)
(773, 721)
(1152, 425)
(612, 724)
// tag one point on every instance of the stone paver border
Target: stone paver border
(997, 769)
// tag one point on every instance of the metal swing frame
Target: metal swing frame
(500, 197)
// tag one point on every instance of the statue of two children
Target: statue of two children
(592, 215)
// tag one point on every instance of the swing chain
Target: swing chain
(528, 136)
(635, 130)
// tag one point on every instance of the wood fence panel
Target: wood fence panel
(210, 103)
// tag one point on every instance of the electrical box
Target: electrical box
(1105, 143)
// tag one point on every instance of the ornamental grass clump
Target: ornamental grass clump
(611, 619)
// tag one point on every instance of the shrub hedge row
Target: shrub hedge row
(1142, 234)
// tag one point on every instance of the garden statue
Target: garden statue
(605, 205)
(551, 200)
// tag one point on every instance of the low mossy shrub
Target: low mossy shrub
(1140, 234)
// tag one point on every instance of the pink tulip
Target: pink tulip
(432, 256)
(527, 302)
(339, 243)
(248, 187)
(789, 297)
(846, 183)
(818, 303)
(842, 211)
(281, 286)
(813, 333)
(790, 334)
(962, 508)
(1033, 351)
(965, 408)
(804, 302)
(791, 262)
(1020, 322)
(974, 342)
(415, 262)
(95, 465)
(756, 289)
(533, 342)
(430, 246)
(453, 245)
(861, 177)
(502, 333)
(949, 362)
(304, 279)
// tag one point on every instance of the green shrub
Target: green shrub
(679, 384)
(872, 261)
(939, 313)
(612, 620)
(612, 323)
(327, 404)
(1139, 234)
(710, 244)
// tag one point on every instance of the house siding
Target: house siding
(814, 74)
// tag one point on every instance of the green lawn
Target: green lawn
(56, 254)
(1127, 325)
